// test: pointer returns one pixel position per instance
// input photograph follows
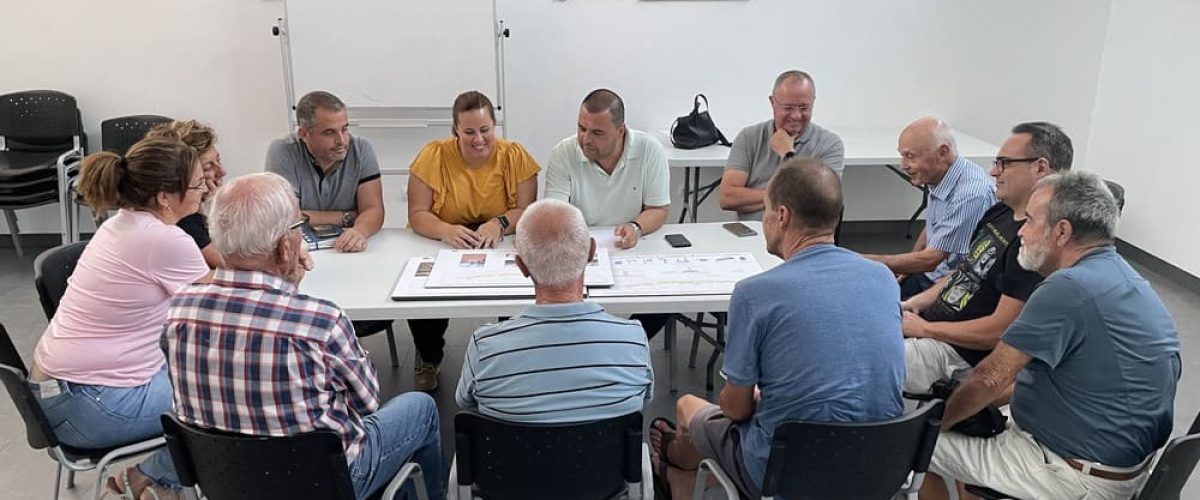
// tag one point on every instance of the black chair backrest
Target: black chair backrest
(860, 461)
(38, 431)
(39, 120)
(1174, 467)
(235, 466)
(588, 460)
(118, 134)
(1118, 192)
(51, 269)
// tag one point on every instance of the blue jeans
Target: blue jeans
(914, 284)
(96, 416)
(405, 429)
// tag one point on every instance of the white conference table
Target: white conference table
(361, 283)
(864, 146)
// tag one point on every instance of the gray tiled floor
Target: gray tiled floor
(28, 474)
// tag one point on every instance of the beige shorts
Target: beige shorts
(716, 437)
(1015, 464)
(927, 361)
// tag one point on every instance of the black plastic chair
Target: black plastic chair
(369, 328)
(1166, 482)
(51, 269)
(223, 465)
(499, 460)
(40, 434)
(41, 142)
(853, 461)
(118, 134)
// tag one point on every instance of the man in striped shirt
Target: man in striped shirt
(561, 359)
(959, 193)
(248, 353)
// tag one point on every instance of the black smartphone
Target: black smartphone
(326, 231)
(678, 241)
(739, 229)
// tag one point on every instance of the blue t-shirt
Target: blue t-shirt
(820, 336)
(1101, 385)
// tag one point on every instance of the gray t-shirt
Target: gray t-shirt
(335, 190)
(1101, 385)
(820, 336)
(751, 153)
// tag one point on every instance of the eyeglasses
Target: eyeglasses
(296, 224)
(200, 186)
(1003, 163)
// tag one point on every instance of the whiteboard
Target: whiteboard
(392, 53)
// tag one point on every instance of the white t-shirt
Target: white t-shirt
(640, 179)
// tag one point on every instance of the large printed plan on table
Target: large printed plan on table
(413, 278)
(498, 268)
(677, 274)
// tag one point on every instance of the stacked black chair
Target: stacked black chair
(226, 466)
(40, 434)
(41, 142)
(596, 460)
(851, 461)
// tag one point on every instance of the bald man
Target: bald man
(760, 148)
(959, 193)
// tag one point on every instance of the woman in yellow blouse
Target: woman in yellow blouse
(468, 191)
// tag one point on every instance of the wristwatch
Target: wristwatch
(503, 220)
(789, 155)
(347, 219)
(637, 227)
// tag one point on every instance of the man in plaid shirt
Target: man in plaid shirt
(248, 353)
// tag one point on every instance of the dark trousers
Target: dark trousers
(652, 323)
(429, 335)
(914, 284)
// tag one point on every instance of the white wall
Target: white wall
(214, 60)
(1145, 121)
(981, 65)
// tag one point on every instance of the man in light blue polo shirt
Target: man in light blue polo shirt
(1094, 355)
(959, 193)
(816, 338)
(615, 175)
(561, 359)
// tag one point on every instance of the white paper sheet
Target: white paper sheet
(678, 274)
(411, 286)
(498, 268)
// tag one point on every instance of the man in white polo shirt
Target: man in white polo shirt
(615, 175)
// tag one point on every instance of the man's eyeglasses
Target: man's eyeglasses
(1003, 163)
(296, 224)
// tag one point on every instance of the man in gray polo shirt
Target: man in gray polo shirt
(959, 194)
(335, 175)
(1094, 355)
(561, 359)
(758, 149)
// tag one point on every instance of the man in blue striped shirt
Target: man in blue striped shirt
(561, 359)
(959, 193)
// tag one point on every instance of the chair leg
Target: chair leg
(391, 338)
(10, 216)
(57, 479)
(70, 479)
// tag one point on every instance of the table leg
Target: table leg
(696, 192)
(669, 347)
(924, 200)
(718, 349)
(687, 193)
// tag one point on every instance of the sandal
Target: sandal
(118, 484)
(667, 439)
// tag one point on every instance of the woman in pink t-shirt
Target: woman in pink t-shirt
(98, 369)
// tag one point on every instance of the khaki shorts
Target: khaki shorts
(717, 437)
(1015, 464)
(927, 361)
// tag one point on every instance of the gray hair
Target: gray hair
(553, 242)
(1047, 140)
(249, 215)
(306, 109)
(789, 75)
(1084, 200)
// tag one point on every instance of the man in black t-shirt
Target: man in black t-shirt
(956, 323)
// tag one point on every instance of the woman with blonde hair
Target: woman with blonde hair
(98, 370)
(203, 139)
